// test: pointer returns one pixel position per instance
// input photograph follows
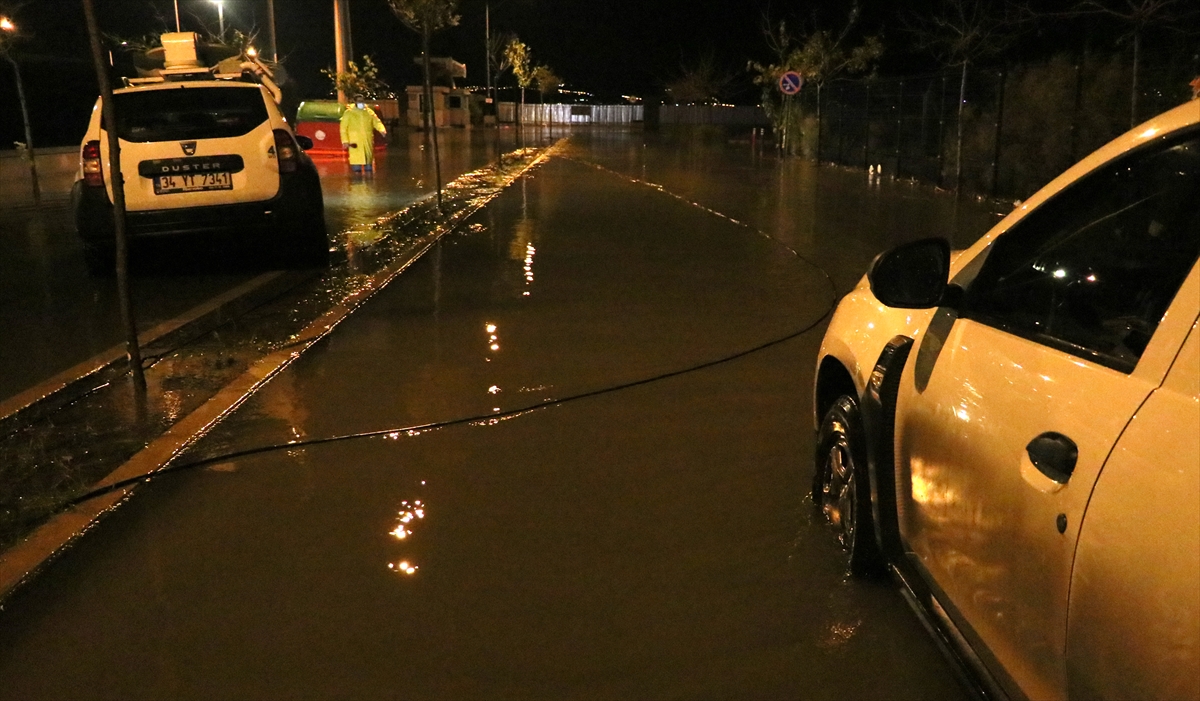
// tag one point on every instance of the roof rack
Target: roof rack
(180, 58)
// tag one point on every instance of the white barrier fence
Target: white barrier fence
(714, 114)
(570, 114)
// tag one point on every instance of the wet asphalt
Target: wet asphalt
(55, 315)
(652, 541)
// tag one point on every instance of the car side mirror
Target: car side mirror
(912, 276)
(305, 142)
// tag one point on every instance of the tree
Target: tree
(819, 56)
(700, 83)
(9, 35)
(521, 62)
(959, 33)
(425, 17)
(497, 57)
(359, 80)
(1139, 16)
(546, 81)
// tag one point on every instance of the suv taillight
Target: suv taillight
(285, 151)
(93, 171)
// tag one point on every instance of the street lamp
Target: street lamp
(8, 27)
(220, 15)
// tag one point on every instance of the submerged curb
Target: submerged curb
(27, 558)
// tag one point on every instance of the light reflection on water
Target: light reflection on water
(410, 513)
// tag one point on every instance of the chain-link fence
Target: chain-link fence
(1019, 128)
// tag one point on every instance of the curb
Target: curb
(22, 562)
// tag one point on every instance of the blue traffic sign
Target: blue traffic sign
(790, 83)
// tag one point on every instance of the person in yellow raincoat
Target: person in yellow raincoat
(358, 124)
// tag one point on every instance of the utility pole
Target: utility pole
(178, 26)
(339, 46)
(7, 27)
(117, 181)
(487, 45)
(270, 30)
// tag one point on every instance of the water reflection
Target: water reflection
(410, 513)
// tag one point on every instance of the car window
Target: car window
(1093, 270)
(189, 114)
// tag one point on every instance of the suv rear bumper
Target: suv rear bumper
(298, 203)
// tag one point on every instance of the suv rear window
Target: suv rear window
(189, 113)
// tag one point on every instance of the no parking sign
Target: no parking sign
(790, 83)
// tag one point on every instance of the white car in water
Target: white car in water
(206, 156)
(1013, 432)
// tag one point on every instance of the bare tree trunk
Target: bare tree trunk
(958, 160)
(432, 115)
(33, 174)
(118, 191)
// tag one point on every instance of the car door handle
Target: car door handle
(1054, 455)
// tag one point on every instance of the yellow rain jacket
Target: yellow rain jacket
(357, 127)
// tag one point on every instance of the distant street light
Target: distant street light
(10, 29)
(220, 16)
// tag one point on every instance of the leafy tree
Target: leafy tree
(520, 60)
(546, 81)
(700, 83)
(359, 80)
(819, 56)
(425, 17)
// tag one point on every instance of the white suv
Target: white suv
(204, 156)
(1013, 432)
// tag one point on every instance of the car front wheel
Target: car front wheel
(841, 487)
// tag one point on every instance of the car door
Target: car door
(1014, 399)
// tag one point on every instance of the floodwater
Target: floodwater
(650, 541)
(55, 315)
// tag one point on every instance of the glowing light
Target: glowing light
(962, 414)
(1060, 273)
(7, 25)
(495, 346)
(1091, 278)
(493, 390)
(403, 567)
(251, 52)
(1148, 133)
(491, 328)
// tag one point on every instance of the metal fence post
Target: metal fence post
(1002, 76)
(899, 125)
(941, 157)
(1075, 111)
(818, 123)
(867, 129)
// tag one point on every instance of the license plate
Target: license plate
(193, 182)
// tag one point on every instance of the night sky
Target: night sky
(607, 47)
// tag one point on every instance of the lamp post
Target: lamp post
(8, 30)
(271, 30)
(220, 16)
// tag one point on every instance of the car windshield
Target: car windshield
(189, 113)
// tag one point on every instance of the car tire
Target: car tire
(841, 486)
(307, 245)
(101, 260)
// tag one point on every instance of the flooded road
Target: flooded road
(652, 541)
(55, 315)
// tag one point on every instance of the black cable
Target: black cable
(171, 469)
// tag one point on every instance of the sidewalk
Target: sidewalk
(56, 174)
(196, 375)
